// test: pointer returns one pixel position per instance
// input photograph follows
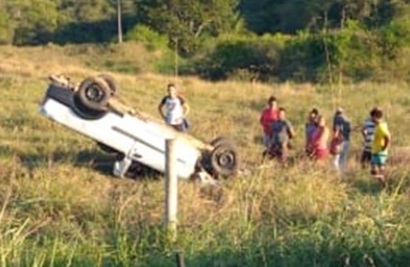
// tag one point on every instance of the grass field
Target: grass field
(61, 207)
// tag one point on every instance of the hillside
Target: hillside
(61, 207)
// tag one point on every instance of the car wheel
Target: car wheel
(94, 93)
(111, 82)
(221, 140)
(224, 158)
(84, 112)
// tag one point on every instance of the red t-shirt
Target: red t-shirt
(268, 116)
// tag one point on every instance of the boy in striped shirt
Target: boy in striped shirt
(368, 134)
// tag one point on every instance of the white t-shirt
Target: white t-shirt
(174, 109)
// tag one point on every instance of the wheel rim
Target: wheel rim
(226, 160)
(94, 93)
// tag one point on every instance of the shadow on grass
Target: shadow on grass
(95, 159)
(369, 186)
(6, 151)
(297, 252)
(397, 181)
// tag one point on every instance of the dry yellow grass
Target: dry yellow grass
(64, 207)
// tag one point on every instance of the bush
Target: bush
(6, 34)
(353, 53)
(302, 58)
(230, 54)
(144, 34)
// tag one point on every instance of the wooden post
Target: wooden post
(176, 67)
(119, 21)
(180, 259)
(171, 188)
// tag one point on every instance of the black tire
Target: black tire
(84, 112)
(93, 94)
(221, 140)
(111, 82)
(224, 158)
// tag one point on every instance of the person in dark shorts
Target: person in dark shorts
(269, 114)
(176, 109)
(380, 144)
(281, 133)
(368, 134)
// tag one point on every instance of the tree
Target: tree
(31, 21)
(86, 21)
(186, 21)
(6, 31)
(285, 16)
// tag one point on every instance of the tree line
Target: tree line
(303, 40)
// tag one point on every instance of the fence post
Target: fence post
(171, 189)
(180, 259)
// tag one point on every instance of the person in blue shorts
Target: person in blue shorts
(380, 146)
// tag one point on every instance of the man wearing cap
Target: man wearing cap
(341, 135)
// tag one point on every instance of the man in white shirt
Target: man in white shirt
(176, 109)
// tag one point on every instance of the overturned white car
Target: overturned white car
(92, 109)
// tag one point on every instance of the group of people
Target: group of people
(320, 140)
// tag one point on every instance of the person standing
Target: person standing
(368, 134)
(281, 133)
(310, 128)
(176, 109)
(380, 145)
(341, 138)
(268, 116)
(320, 138)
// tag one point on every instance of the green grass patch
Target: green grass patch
(60, 206)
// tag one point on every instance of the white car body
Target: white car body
(138, 139)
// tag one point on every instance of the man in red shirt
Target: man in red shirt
(268, 116)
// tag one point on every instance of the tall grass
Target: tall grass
(61, 207)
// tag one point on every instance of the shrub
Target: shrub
(352, 53)
(258, 57)
(144, 34)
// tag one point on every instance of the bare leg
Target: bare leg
(377, 172)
